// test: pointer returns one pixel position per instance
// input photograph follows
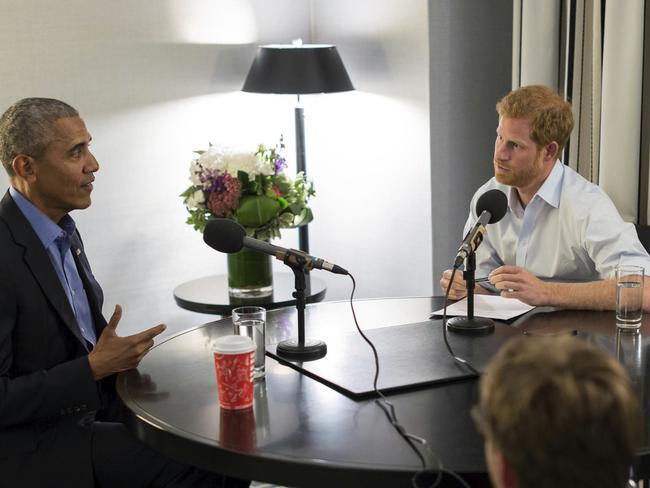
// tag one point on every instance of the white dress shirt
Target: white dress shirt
(570, 231)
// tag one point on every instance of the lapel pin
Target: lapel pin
(78, 252)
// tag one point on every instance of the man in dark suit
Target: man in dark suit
(59, 414)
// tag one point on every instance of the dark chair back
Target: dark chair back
(643, 232)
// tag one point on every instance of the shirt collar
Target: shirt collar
(550, 191)
(552, 187)
(46, 230)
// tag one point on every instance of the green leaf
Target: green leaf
(255, 211)
(283, 202)
(197, 219)
(305, 217)
(296, 208)
(258, 187)
(189, 191)
(242, 176)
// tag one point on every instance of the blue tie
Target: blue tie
(76, 292)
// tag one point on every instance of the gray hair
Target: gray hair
(26, 128)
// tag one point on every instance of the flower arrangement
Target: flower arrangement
(250, 188)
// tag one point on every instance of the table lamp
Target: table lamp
(298, 69)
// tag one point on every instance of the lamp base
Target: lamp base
(309, 351)
(474, 325)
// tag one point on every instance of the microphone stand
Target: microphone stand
(300, 350)
(470, 324)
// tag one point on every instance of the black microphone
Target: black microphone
(490, 207)
(228, 236)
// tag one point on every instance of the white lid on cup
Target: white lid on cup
(233, 344)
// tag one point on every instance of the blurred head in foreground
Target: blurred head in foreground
(557, 412)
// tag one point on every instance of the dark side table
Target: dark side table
(210, 294)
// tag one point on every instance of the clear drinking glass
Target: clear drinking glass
(629, 296)
(251, 322)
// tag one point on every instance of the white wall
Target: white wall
(369, 149)
(155, 79)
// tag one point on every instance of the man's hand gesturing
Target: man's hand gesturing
(113, 353)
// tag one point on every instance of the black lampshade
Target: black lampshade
(296, 70)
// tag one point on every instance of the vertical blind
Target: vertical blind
(596, 53)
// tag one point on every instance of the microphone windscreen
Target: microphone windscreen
(224, 235)
(495, 202)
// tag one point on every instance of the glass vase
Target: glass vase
(250, 274)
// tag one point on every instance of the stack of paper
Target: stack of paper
(489, 306)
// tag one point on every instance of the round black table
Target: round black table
(210, 294)
(301, 432)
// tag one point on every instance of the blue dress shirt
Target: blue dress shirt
(569, 231)
(56, 240)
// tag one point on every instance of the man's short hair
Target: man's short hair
(561, 413)
(26, 127)
(550, 115)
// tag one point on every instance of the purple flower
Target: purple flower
(280, 164)
(213, 180)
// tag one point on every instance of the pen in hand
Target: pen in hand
(491, 287)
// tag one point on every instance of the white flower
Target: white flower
(247, 162)
(195, 200)
(231, 161)
(267, 169)
(213, 158)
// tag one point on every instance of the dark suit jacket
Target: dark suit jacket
(47, 392)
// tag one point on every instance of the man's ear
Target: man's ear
(551, 151)
(508, 474)
(502, 473)
(23, 166)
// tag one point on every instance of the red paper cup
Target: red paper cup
(234, 359)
